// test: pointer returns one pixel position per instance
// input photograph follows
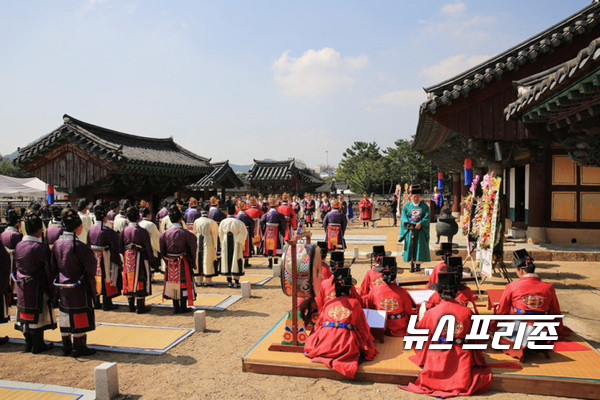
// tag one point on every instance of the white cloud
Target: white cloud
(402, 98)
(451, 66)
(454, 9)
(316, 73)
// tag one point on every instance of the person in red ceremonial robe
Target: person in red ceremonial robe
(341, 336)
(290, 216)
(455, 371)
(255, 213)
(445, 251)
(365, 207)
(325, 270)
(373, 275)
(178, 247)
(327, 289)
(390, 298)
(464, 294)
(529, 295)
(309, 209)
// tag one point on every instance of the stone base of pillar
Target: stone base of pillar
(536, 235)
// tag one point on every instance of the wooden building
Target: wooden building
(86, 160)
(282, 176)
(222, 177)
(464, 117)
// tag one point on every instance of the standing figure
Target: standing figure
(74, 263)
(438, 201)
(414, 230)
(335, 224)
(290, 216)
(233, 235)
(138, 259)
(86, 219)
(365, 208)
(112, 213)
(350, 210)
(179, 247)
(55, 227)
(249, 222)
(255, 213)
(374, 211)
(214, 213)
(104, 243)
(147, 224)
(192, 213)
(163, 212)
(324, 207)
(207, 233)
(341, 335)
(343, 205)
(391, 298)
(455, 371)
(33, 281)
(309, 209)
(10, 238)
(121, 220)
(273, 225)
(5, 289)
(393, 209)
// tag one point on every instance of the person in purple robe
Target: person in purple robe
(55, 227)
(5, 289)
(74, 263)
(114, 210)
(10, 238)
(335, 224)
(273, 225)
(249, 222)
(138, 259)
(104, 242)
(33, 281)
(162, 212)
(214, 213)
(192, 213)
(179, 247)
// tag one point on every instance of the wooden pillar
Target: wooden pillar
(538, 203)
(456, 195)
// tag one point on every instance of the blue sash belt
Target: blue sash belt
(395, 316)
(455, 341)
(528, 312)
(343, 325)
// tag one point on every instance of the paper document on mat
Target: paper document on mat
(375, 318)
(420, 296)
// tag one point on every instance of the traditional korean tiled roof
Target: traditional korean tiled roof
(332, 186)
(281, 171)
(129, 152)
(221, 176)
(493, 69)
(537, 89)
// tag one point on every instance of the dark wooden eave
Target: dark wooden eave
(222, 176)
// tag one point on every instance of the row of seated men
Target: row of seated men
(341, 337)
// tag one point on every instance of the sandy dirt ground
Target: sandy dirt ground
(208, 365)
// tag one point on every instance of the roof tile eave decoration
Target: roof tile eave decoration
(129, 151)
(280, 171)
(554, 80)
(220, 171)
(526, 52)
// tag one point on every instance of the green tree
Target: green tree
(7, 168)
(362, 167)
(403, 164)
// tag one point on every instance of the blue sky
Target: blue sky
(246, 79)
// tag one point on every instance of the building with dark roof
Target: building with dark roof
(222, 177)
(544, 133)
(282, 176)
(88, 160)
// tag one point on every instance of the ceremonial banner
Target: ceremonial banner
(130, 261)
(333, 236)
(256, 237)
(271, 238)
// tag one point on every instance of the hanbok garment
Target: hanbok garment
(191, 215)
(317, 210)
(255, 213)
(327, 292)
(438, 201)
(154, 235)
(34, 286)
(75, 265)
(365, 208)
(163, 212)
(309, 210)
(216, 215)
(104, 243)
(335, 224)
(397, 304)
(433, 278)
(179, 247)
(86, 222)
(249, 222)
(350, 210)
(375, 210)
(207, 233)
(54, 231)
(273, 225)
(135, 245)
(464, 296)
(372, 278)
(344, 207)
(120, 222)
(453, 372)
(415, 214)
(290, 216)
(341, 336)
(111, 218)
(324, 208)
(233, 235)
(10, 238)
(165, 223)
(5, 285)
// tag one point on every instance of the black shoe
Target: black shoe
(176, 307)
(97, 304)
(80, 349)
(141, 306)
(270, 263)
(108, 305)
(418, 268)
(230, 284)
(67, 347)
(39, 346)
(28, 343)
(236, 284)
(131, 302)
(3, 340)
(276, 261)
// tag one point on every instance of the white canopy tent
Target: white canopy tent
(25, 187)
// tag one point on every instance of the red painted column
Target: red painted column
(456, 194)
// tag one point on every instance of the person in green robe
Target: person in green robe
(414, 225)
